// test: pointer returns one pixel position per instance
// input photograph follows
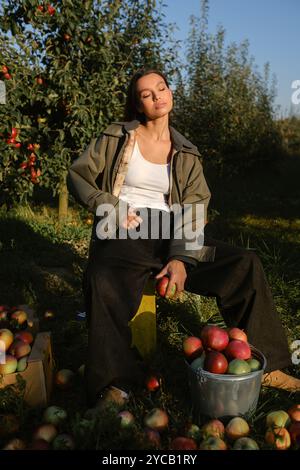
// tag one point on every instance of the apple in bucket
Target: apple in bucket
(192, 347)
(214, 337)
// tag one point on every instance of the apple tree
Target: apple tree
(79, 57)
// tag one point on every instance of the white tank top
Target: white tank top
(146, 184)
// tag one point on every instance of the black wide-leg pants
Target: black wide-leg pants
(113, 285)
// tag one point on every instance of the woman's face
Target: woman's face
(154, 97)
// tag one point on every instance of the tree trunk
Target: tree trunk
(63, 200)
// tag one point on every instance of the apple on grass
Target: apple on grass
(213, 428)
(126, 419)
(153, 437)
(294, 412)
(213, 443)
(245, 443)
(278, 438)
(278, 418)
(54, 415)
(152, 383)
(294, 431)
(63, 442)
(237, 427)
(156, 419)
(183, 443)
(64, 378)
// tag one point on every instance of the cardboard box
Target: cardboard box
(38, 374)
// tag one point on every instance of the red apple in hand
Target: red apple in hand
(215, 362)
(162, 286)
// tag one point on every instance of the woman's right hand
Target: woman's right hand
(132, 220)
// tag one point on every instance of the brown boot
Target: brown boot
(280, 380)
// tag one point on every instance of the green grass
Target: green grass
(41, 264)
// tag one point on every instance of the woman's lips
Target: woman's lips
(160, 105)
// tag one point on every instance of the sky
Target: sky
(272, 28)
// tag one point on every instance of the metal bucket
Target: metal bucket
(225, 395)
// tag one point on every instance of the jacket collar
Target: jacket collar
(179, 141)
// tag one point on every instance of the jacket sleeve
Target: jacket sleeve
(82, 175)
(196, 192)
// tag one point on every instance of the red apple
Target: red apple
(63, 378)
(213, 428)
(153, 437)
(20, 316)
(40, 444)
(7, 76)
(51, 10)
(215, 362)
(215, 338)
(245, 443)
(24, 336)
(45, 431)
(238, 349)
(294, 431)
(10, 365)
(294, 412)
(9, 425)
(213, 443)
(152, 383)
(162, 285)
(156, 419)
(39, 80)
(6, 339)
(192, 347)
(4, 69)
(19, 349)
(278, 438)
(183, 443)
(278, 419)
(15, 444)
(237, 427)
(237, 333)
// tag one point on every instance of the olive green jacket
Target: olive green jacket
(96, 177)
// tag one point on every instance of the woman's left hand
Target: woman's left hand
(175, 269)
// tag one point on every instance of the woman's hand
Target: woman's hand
(132, 220)
(175, 269)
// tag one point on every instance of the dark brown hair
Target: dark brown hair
(132, 100)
